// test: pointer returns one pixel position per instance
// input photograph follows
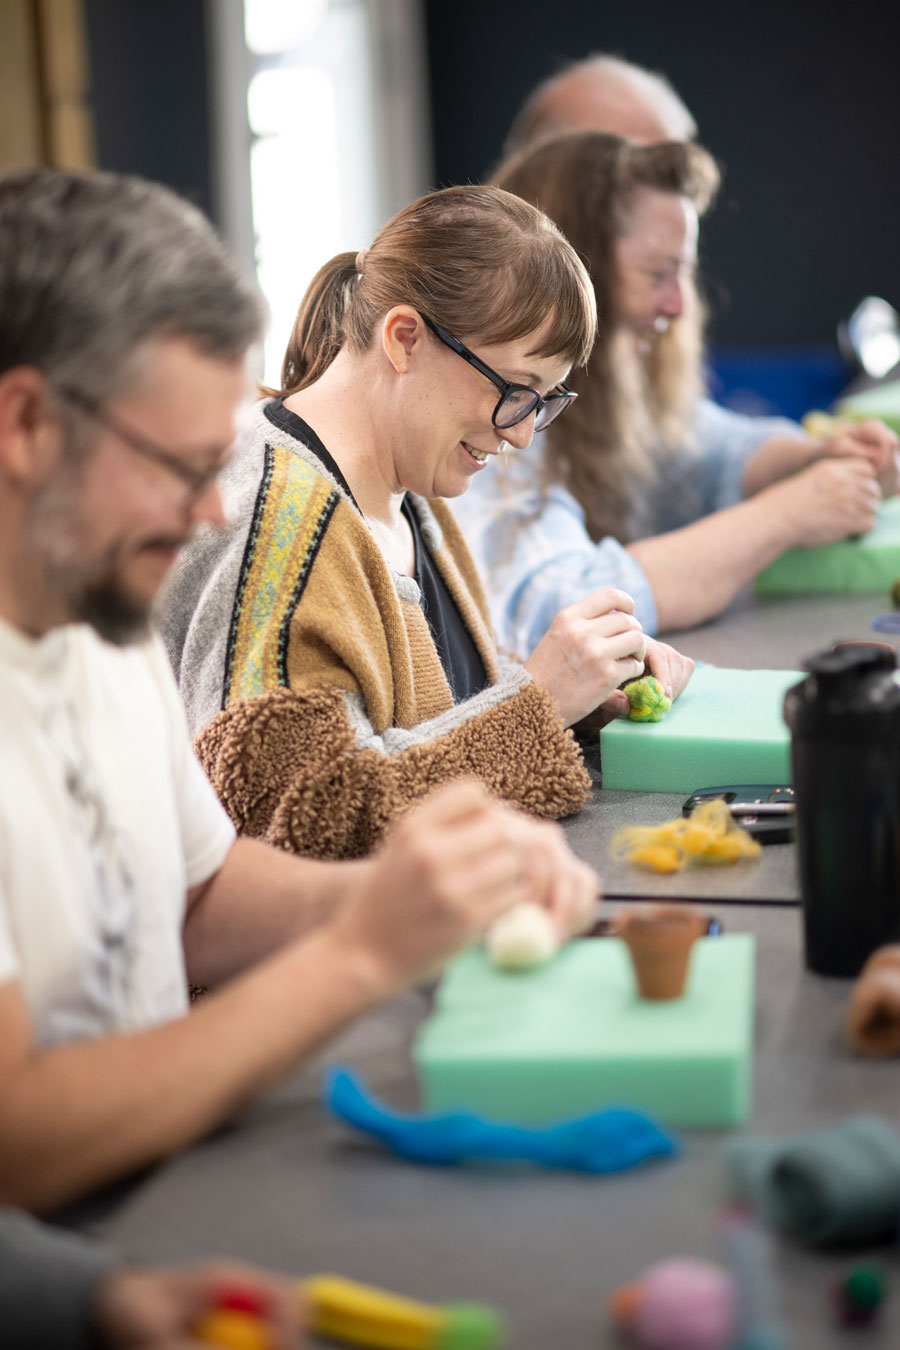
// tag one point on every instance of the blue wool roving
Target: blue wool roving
(612, 1140)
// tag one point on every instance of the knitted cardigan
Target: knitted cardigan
(316, 693)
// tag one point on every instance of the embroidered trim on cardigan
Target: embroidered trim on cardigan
(292, 509)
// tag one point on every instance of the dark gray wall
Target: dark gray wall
(799, 102)
(149, 90)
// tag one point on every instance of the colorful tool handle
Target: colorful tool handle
(356, 1314)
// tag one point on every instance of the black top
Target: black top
(459, 656)
(462, 664)
(285, 420)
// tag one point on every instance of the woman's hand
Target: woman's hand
(669, 666)
(590, 649)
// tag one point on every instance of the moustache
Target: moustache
(163, 543)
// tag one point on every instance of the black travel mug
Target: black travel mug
(845, 747)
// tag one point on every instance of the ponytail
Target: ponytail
(318, 332)
(480, 261)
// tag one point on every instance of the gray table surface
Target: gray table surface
(288, 1187)
(776, 634)
(769, 879)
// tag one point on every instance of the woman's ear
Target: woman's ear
(403, 334)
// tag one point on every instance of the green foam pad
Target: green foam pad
(870, 563)
(727, 727)
(883, 401)
(573, 1037)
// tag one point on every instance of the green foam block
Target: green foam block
(870, 563)
(882, 401)
(574, 1036)
(727, 727)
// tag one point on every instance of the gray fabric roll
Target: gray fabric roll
(839, 1184)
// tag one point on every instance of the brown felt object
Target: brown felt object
(872, 1020)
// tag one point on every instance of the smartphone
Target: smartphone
(765, 810)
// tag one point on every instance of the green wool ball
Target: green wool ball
(648, 699)
(865, 1286)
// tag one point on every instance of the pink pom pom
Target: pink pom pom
(686, 1305)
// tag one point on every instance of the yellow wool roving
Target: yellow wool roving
(648, 699)
(708, 835)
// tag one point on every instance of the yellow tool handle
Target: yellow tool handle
(364, 1316)
(353, 1313)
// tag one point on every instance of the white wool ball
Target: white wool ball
(523, 937)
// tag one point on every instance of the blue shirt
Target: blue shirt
(532, 547)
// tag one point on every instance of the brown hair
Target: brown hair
(480, 261)
(628, 411)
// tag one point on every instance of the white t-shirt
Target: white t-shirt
(106, 819)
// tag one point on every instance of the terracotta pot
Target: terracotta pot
(659, 939)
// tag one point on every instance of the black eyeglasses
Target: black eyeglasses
(196, 481)
(516, 401)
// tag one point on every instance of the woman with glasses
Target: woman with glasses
(332, 645)
(646, 484)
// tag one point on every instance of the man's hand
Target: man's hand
(158, 1308)
(830, 500)
(446, 871)
(559, 881)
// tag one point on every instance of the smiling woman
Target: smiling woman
(332, 646)
(646, 484)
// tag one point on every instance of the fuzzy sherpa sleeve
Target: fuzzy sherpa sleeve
(290, 767)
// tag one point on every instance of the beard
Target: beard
(90, 590)
(117, 616)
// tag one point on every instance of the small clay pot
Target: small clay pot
(872, 1021)
(659, 939)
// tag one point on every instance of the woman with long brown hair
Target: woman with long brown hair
(646, 484)
(332, 646)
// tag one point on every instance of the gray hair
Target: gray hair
(94, 265)
(538, 120)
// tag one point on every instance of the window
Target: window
(322, 134)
